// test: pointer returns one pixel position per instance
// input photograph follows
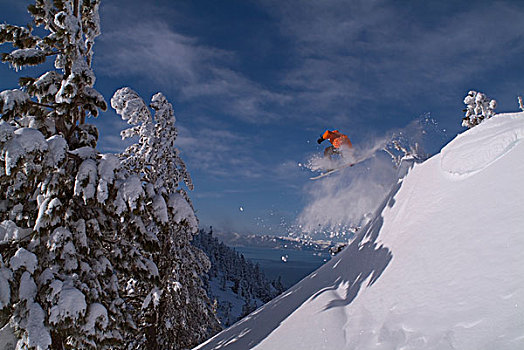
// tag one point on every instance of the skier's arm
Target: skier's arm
(321, 139)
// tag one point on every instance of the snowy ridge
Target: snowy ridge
(439, 267)
(473, 151)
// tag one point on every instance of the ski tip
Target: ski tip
(322, 175)
(329, 172)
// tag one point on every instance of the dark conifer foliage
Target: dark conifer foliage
(95, 248)
(231, 272)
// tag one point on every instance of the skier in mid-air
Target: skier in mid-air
(339, 143)
(341, 146)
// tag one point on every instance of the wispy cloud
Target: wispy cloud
(219, 152)
(151, 49)
(237, 95)
(349, 54)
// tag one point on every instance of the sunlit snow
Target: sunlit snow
(439, 267)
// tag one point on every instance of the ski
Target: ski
(331, 171)
(343, 166)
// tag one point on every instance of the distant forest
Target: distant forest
(233, 280)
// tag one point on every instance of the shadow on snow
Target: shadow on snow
(363, 259)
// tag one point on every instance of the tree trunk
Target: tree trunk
(57, 342)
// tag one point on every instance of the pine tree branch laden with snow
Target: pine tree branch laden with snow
(41, 229)
(478, 108)
(20, 37)
(74, 231)
(63, 211)
(63, 99)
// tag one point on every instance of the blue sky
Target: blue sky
(254, 83)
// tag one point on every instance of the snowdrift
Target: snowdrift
(439, 267)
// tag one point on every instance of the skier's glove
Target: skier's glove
(320, 140)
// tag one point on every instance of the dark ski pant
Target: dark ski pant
(330, 151)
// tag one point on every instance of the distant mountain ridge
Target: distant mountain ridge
(235, 239)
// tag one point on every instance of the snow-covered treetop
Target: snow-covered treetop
(155, 154)
(131, 107)
(72, 27)
(478, 108)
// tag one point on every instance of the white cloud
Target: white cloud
(349, 54)
(237, 95)
(219, 152)
(151, 49)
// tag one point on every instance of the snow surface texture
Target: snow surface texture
(471, 152)
(439, 267)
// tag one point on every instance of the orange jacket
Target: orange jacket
(337, 139)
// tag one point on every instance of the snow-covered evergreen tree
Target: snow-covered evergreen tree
(94, 248)
(184, 316)
(478, 108)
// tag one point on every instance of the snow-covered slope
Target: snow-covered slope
(440, 267)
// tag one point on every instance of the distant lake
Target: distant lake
(297, 265)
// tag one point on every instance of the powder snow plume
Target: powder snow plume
(339, 204)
